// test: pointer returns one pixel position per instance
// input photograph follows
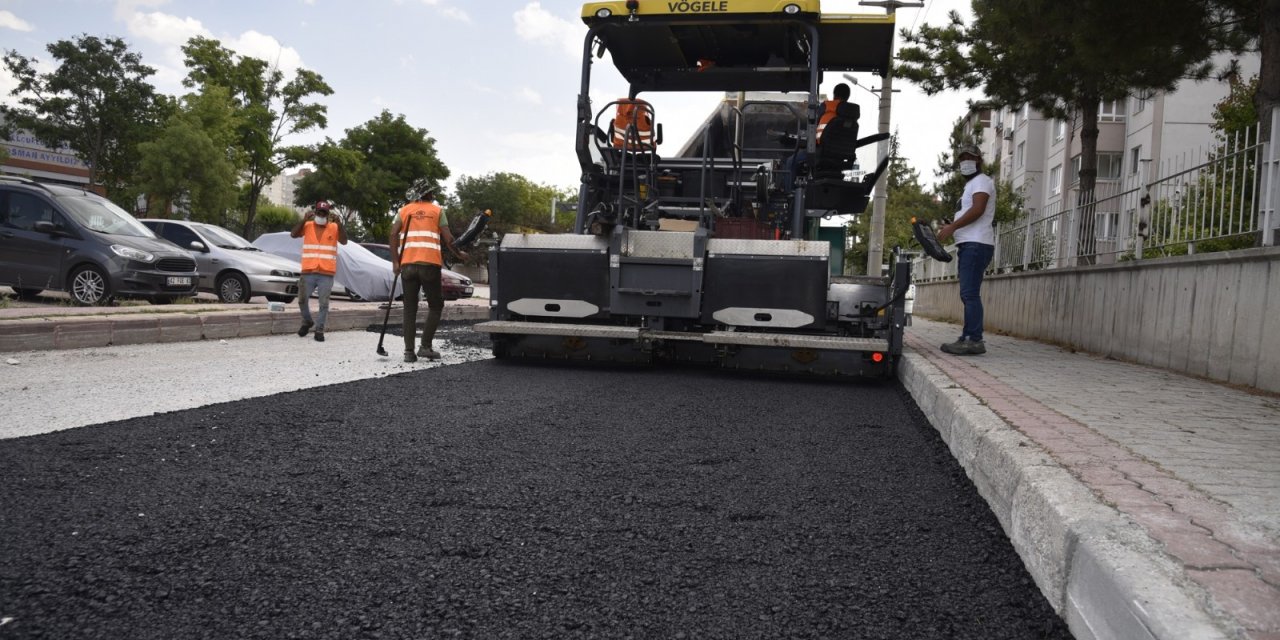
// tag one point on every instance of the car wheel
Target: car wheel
(89, 286)
(284, 299)
(27, 294)
(232, 288)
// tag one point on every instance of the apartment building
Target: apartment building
(1140, 138)
(280, 191)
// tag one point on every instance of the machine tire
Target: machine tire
(232, 288)
(284, 299)
(27, 294)
(88, 286)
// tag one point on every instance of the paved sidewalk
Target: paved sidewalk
(1145, 503)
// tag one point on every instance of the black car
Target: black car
(61, 238)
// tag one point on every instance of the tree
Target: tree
(98, 103)
(1257, 21)
(193, 160)
(267, 108)
(519, 205)
(1066, 58)
(907, 199)
(372, 170)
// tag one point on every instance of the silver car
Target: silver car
(230, 267)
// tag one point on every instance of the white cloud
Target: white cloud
(448, 11)
(163, 28)
(537, 25)
(529, 95)
(10, 21)
(265, 47)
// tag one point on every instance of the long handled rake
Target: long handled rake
(391, 297)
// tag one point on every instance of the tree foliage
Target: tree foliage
(372, 170)
(519, 205)
(192, 162)
(1065, 58)
(267, 108)
(907, 199)
(97, 102)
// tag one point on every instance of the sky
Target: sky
(494, 82)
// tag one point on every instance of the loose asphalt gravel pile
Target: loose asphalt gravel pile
(495, 500)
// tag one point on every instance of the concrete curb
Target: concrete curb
(106, 330)
(1098, 569)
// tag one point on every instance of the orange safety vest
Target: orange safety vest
(420, 227)
(638, 114)
(827, 116)
(320, 248)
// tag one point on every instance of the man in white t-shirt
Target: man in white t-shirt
(974, 231)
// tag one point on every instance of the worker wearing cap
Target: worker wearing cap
(418, 260)
(974, 231)
(321, 232)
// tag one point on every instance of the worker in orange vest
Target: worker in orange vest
(633, 125)
(321, 232)
(794, 162)
(425, 229)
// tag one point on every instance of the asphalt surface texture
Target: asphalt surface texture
(491, 499)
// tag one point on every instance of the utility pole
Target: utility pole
(875, 244)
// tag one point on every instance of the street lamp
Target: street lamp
(875, 244)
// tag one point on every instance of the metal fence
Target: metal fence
(1210, 200)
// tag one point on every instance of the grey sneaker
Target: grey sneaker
(427, 352)
(965, 348)
(409, 357)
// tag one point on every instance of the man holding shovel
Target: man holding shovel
(424, 229)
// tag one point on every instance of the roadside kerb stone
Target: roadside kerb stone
(254, 324)
(135, 330)
(28, 335)
(1045, 512)
(180, 327)
(221, 326)
(77, 334)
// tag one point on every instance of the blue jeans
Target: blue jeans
(974, 258)
(320, 283)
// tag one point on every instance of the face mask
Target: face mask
(968, 167)
(322, 220)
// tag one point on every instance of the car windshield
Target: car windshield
(224, 238)
(99, 214)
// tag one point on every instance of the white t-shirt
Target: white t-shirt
(980, 230)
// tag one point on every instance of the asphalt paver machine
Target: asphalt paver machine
(710, 254)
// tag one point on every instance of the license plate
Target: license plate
(179, 281)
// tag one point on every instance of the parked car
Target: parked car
(230, 266)
(455, 284)
(361, 275)
(60, 238)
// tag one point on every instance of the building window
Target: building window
(1055, 179)
(1109, 165)
(1021, 155)
(1075, 169)
(1107, 225)
(1059, 130)
(1017, 117)
(1135, 154)
(1110, 111)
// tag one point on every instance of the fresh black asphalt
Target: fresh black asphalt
(499, 500)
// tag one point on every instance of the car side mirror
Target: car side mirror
(199, 246)
(44, 226)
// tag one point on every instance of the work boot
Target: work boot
(427, 352)
(409, 357)
(319, 335)
(964, 347)
(306, 326)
